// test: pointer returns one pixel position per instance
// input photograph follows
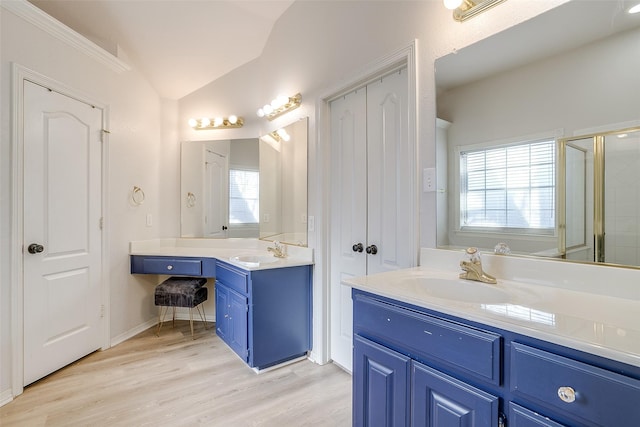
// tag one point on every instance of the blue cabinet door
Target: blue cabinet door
(222, 311)
(439, 400)
(380, 385)
(237, 334)
(231, 319)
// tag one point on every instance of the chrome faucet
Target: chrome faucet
(473, 268)
(279, 250)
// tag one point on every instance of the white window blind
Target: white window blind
(244, 196)
(509, 189)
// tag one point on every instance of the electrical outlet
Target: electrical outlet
(311, 223)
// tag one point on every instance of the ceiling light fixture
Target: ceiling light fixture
(279, 106)
(216, 123)
(465, 9)
(634, 9)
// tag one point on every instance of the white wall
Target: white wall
(315, 46)
(137, 156)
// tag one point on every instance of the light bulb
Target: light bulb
(452, 4)
(193, 122)
(218, 121)
(260, 112)
(204, 122)
(233, 119)
(282, 100)
(268, 109)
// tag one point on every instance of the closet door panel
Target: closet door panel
(348, 214)
(390, 174)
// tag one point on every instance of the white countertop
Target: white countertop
(608, 326)
(223, 250)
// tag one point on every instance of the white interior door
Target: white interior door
(390, 224)
(372, 221)
(216, 190)
(62, 234)
(348, 214)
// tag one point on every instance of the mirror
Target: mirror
(244, 188)
(568, 72)
(283, 185)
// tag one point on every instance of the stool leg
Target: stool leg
(202, 315)
(191, 322)
(160, 318)
(174, 317)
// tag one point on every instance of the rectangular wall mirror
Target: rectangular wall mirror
(569, 72)
(246, 188)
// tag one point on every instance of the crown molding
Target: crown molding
(58, 30)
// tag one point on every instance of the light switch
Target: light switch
(311, 223)
(149, 220)
(429, 180)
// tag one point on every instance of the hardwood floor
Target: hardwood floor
(173, 380)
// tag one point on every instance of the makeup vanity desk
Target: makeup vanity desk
(263, 303)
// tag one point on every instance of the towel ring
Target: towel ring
(191, 199)
(137, 196)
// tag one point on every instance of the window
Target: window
(509, 189)
(244, 196)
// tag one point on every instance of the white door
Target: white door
(348, 214)
(216, 191)
(390, 226)
(372, 226)
(61, 230)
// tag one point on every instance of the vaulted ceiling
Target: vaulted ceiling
(179, 45)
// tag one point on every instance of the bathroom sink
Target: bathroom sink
(458, 289)
(254, 260)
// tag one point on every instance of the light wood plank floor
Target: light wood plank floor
(176, 381)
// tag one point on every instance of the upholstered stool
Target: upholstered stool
(181, 292)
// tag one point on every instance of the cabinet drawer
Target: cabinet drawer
(424, 337)
(234, 278)
(601, 397)
(523, 417)
(172, 266)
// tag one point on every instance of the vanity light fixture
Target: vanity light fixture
(465, 9)
(216, 123)
(279, 106)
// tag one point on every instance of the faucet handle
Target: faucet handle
(474, 254)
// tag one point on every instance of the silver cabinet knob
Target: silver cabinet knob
(169, 267)
(567, 394)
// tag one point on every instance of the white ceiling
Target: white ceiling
(179, 45)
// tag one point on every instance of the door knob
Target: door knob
(373, 249)
(224, 227)
(357, 247)
(35, 248)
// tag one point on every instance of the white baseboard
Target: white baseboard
(6, 396)
(132, 332)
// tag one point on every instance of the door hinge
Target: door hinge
(101, 311)
(101, 223)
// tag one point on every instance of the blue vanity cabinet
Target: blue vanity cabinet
(264, 315)
(445, 371)
(393, 384)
